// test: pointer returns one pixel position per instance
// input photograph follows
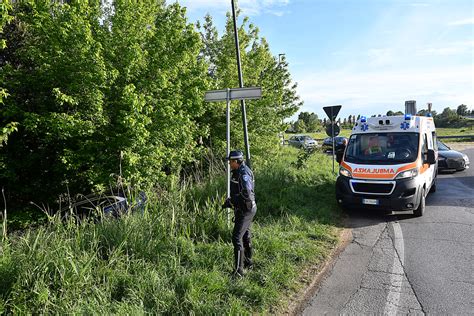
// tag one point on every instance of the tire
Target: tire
(433, 187)
(421, 207)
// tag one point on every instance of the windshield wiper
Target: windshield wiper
(398, 160)
(358, 159)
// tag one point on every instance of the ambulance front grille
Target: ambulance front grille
(372, 187)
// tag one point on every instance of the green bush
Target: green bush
(107, 93)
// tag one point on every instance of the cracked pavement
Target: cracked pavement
(398, 264)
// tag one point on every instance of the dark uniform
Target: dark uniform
(242, 200)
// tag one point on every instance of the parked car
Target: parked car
(451, 160)
(339, 145)
(96, 206)
(302, 141)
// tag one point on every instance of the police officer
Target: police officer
(242, 200)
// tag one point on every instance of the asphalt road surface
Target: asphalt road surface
(399, 264)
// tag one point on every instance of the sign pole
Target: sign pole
(228, 150)
(228, 95)
(331, 112)
(241, 84)
(333, 140)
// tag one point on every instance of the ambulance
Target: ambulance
(389, 163)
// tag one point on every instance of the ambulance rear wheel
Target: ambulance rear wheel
(421, 207)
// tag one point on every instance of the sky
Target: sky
(367, 55)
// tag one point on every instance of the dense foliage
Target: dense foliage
(103, 93)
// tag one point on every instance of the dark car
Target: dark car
(339, 143)
(302, 141)
(451, 160)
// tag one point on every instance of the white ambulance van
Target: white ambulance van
(390, 163)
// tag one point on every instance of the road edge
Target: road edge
(300, 300)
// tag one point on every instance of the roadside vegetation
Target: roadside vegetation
(100, 95)
(346, 132)
(176, 256)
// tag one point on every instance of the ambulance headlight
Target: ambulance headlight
(407, 174)
(344, 172)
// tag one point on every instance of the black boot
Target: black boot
(238, 263)
(248, 264)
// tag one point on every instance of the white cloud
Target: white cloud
(380, 56)
(469, 21)
(377, 92)
(419, 4)
(453, 48)
(248, 7)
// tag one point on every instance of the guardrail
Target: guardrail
(457, 136)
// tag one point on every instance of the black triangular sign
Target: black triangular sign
(332, 111)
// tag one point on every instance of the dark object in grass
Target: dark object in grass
(96, 206)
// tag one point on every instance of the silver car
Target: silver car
(302, 141)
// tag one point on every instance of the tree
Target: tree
(392, 113)
(424, 112)
(448, 118)
(111, 92)
(101, 94)
(10, 127)
(462, 110)
(260, 68)
(299, 126)
(310, 120)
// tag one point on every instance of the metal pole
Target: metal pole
(333, 139)
(241, 83)
(281, 98)
(228, 150)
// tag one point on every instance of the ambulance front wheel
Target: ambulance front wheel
(421, 207)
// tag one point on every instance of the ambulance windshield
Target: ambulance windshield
(382, 148)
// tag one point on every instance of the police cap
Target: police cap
(235, 155)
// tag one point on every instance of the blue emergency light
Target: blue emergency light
(407, 117)
(363, 119)
(429, 115)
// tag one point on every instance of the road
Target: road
(399, 264)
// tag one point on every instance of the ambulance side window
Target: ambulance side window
(430, 140)
(435, 141)
(424, 147)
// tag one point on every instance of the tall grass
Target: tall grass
(176, 257)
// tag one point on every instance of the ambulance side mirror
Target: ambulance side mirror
(339, 157)
(431, 158)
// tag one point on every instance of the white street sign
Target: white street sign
(234, 94)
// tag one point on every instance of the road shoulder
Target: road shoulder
(313, 276)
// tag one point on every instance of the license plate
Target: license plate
(370, 201)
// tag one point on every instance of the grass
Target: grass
(455, 131)
(320, 134)
(440, 131)
(176, 257)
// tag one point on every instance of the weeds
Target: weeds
(176, 256)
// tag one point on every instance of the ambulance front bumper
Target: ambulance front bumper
(393, 195)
